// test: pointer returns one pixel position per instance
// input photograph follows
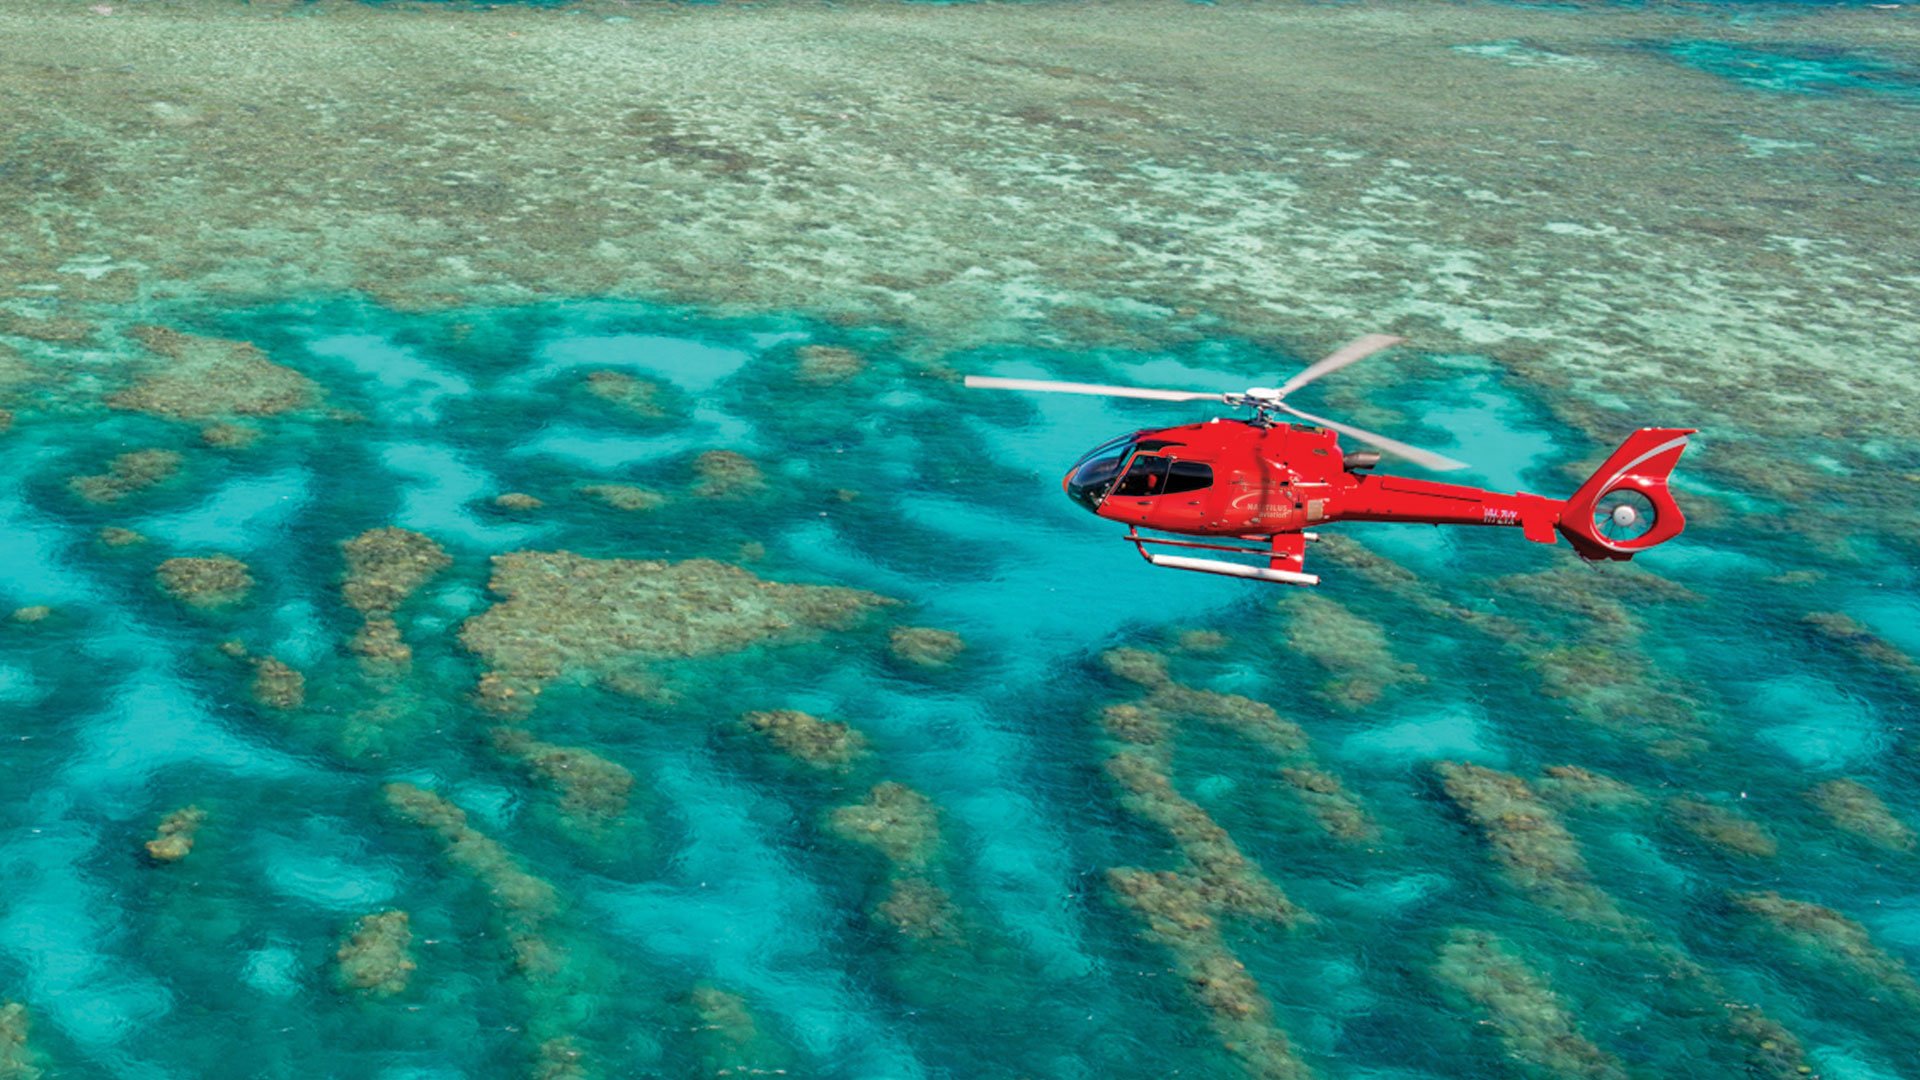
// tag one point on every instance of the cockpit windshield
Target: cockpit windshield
(1093, 474)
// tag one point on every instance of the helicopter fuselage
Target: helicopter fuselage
(1229, 477)
(1274, 482)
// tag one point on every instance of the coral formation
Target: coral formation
(384, 567)
(17, 1059)
(1571, 785)
(115, 536)
(1255, 720)
(229, 436)
(1724, 828)
(925, 647)
(1528, 841)
(920, 909)
(277, 685)
(1855, 807)
(558, 1058)
(1351, 649)
(1534, 1026)
(211, 378)
(560, 611)
(126, 474)
(1843, 941)
(895, 820)
(726, 474)
(1201, 641)
(374, 958)
(728, 1040)
(639, 396)
(826, 365)
(593, 790)
(174, 837)
(1331, 804)
(1237, 1009)
(1852, 634)
(624, 496)
(517, 500)
(525, 901)
(32, 613)
(50, 328)
(821, 743)
(211, 582)
(1221, 877)
(6, 420)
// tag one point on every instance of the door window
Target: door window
(1146, 476)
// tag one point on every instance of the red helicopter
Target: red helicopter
(1267, 480)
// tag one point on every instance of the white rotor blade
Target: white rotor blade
(1424, 458)
(989, 382)
(1357, 349)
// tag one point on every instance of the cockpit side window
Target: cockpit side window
(1146, 476)
(1188, 476)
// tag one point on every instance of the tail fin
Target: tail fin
(1624, 508)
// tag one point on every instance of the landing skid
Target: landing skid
(1285, 556)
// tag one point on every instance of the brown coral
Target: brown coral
(1843, 941)
(726, 474)
(215, 581)
(1351, 649)
(920, 909)
(1176, 917)
(894, 820)
(822, 743)
(1851, 633)
(925, 647)
(17, 1059)
(1723, 828)
(1337, 811)
(517, 500)
(562, 611)
(1855, 807)
(174, 838)
(126, 474)
(1528, 841)
(524, 900)
(386, 565)
(211, 378)
(1223, 878)
(826, 365)
(374, 958)
(593, 789)
(636, 395)
(1535, 1027)
(278, 685)
(624, 496)
(1571, 785)
(229, 436)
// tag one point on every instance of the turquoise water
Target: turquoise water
(722, 870)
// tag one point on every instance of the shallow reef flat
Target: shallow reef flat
(1628, 220)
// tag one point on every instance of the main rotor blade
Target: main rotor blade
(1357, 349)
(1425, 458)
(989, 382)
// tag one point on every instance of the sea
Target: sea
(634, 652)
